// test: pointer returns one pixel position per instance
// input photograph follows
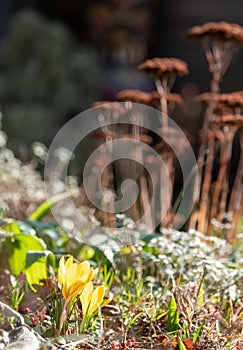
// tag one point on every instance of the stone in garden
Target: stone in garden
(21, 338)
(9, 317)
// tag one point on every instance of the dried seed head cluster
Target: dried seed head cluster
(228, 103)
(152, 98)
(160, 66)
(141, 137)
(104, 134)
(227, 120)
(233, 98)
(136, 96)
(222, 30)
(110, 106)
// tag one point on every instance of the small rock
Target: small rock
(3, 339)
(9, 317)
(20, 338)
(23, 338)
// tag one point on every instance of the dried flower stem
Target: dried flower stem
(204, 202)
(162, 88)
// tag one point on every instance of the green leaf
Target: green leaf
(20, 244)
(173, 316)
(37, 263)
(41, 211)
(44, 208)
(197, 334)
(200, 296)
(181, 344)
(185, 329)
(12, 227)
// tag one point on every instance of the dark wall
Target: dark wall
(164, 34)
(171, 19)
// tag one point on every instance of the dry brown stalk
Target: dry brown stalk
(152, 162)
(226, 127)
(220, 41)
(205, 198)
(145, 204)
(106, 189)
(236, 197)
(170, 145)
(164, 71)
(237, 189)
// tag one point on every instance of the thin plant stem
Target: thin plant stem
(203, 210)
(162, 88)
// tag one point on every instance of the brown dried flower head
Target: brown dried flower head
(233, 99)
(136, 96)
(110, 106)
(157, 67)
(222, 30)
(142, 137)
(152, 98)
(230, 120)
(225, 103)
(104, 134)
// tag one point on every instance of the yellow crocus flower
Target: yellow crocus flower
(73, 277)
(92, 298)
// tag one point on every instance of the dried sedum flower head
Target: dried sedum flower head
(220, 41)
(142, 137)
(110, 106)
(149, 98)
(222, 30)
(104, 134)
(228, 103)
(136, 96)
(157, 67)
(230, 120)
(234, 99)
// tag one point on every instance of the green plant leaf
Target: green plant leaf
(37, 263)
(173, 316)
(20, 244)
(44, 208)
(41, 211)
(200, 296)
(181, 344)
(12, 227)
(197, 334)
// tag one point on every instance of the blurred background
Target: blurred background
(58, 57)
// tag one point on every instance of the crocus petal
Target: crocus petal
(85, 297)
(106, 301)
(69, 262)
(61, 271)
(72, 274)
(96, 299)
(91, 299)
(94, 273)
(74, 290)
(84, 266)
